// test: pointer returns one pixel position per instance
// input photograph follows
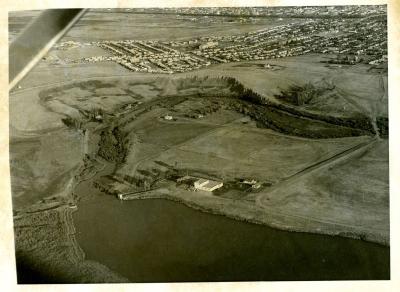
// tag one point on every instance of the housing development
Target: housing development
(359, 38)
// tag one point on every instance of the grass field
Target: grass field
(353, 192)
(27, 114)
(43, 165)
(221, 144)
(46, 75)
(78, 53)
(243, 152)
(108, 95)
(357, 90)
(95, 26)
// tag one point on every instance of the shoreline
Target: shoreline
(45, 243)
(252, 216)
(57, 256)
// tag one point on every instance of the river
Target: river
(157, 240)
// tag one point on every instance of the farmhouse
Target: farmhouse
(207, 185)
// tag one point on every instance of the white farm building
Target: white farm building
(207, 185)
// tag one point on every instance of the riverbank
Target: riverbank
(158, 240)
(250, 212)
(46, 246)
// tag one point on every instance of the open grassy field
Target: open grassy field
(45, 74)
(235, 151)
(28, 115)
(44, 153)
(160, 27)
(77, 53)
(356, 89)
(222, 143)
(351, 192)
(106, 25)
(43, 165)
(88, 95)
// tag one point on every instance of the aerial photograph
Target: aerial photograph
(203, 144)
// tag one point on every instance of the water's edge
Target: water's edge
(57, 258)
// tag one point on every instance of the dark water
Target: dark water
(162, 241)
